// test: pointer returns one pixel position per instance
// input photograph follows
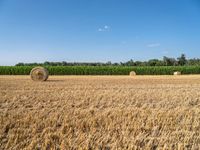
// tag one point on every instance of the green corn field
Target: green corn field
(102, 70)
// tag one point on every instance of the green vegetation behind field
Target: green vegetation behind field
(102, 70)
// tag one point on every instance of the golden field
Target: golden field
(100, 112)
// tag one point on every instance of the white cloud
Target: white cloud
(104, 28)
(153, 45)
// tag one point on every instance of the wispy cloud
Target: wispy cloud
(104, 28)
(153, 45)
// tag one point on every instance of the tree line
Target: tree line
(166, 61)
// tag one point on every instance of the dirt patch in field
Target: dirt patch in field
(100, 112)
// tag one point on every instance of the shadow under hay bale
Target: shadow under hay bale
(39, 74)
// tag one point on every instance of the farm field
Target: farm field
(100, 112)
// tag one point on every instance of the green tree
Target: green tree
(169, 61)
(182, 60)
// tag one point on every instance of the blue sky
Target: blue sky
(97, 30)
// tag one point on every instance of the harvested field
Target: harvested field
(100, 112)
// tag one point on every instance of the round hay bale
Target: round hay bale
(39, 74)
(132, 73)
(177, 73)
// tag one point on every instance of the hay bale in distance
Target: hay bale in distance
(177, 73)
(132, 73)
(39, 74)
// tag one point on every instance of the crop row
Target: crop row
(102, 70)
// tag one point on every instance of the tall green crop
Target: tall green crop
(102, 70)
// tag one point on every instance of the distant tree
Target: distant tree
(160, 63)
(139, 63)
(153, 62)
(64, 63)
(20, 64)
(182, 60)
(130, 63)
(46, 63)
(109, 63)
(169, 61)
(193, 62)
(122, 64)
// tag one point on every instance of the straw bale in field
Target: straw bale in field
(177, 73)
(39, 74)
(132, 73)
